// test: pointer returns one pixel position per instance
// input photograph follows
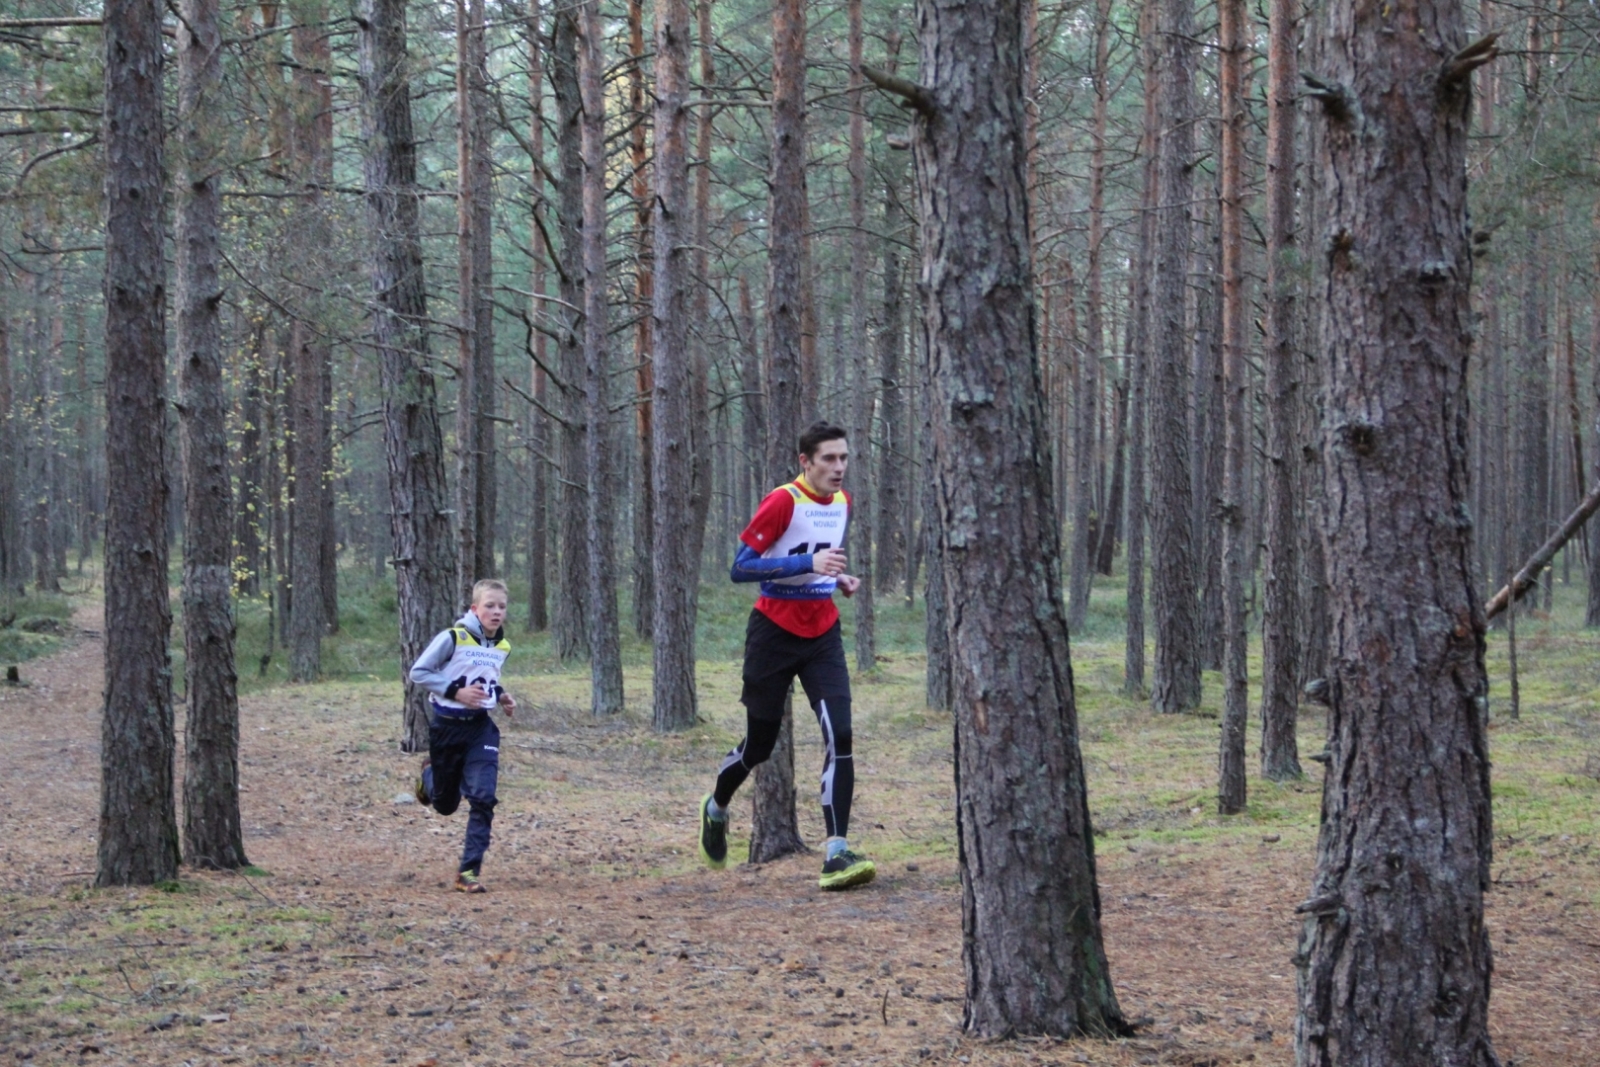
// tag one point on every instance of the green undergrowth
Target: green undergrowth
(32, 625)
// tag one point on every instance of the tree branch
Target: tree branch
(916, 97)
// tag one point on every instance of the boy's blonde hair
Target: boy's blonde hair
(486, 585)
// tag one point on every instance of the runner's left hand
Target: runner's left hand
(848, 584)
(509, 702)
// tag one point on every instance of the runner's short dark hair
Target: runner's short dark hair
(817, 433)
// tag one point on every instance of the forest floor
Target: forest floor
(603, 941)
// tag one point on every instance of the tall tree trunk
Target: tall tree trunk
(605, 650)
(249, 516)
(1177, 666)
(1140, 317)
(469, 451)
(212, 836)
(11, 562)
(571, 623)
(1106, 544)
(1231, 787)
(539, 435)
(894, 493)
(862, 385)
(644, 494)
(138, 822)
(1591, 617)
(419, 500)
(753, 385)
(305, 507)
(774, 829)
(673, 453)
(475, 405)
(1087, 519)
(1280, 617)
(1394, 957)
(1032, 946)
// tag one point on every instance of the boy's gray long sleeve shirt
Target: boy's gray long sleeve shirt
(428, 671)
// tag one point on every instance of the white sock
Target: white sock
(717, 813)
(834, 845)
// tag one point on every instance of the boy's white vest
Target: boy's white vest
(474, 663)
(812, 528)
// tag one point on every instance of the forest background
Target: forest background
(550, 392)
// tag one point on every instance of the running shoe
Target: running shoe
(421, 788)
(713, 837)
(847, 870)
(467, 882)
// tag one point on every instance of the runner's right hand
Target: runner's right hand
(830, 561)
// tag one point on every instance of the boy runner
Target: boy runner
(794, 548)
(461, 669)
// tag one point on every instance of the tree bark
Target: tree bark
(1032, 948)
(419, 500)
(1176, 609)
(1394, 957)
(644, 495)
(475, 379)
(138, 822)
(863, 383)
(774, 827)
(571, 623)
(1231, 785)
(212, 836)
(1087, 519)
(305, 507)
(674, 458)
(11, 554)
(1139, 339)
(1280, 617)
(248, 530)
(540, 437)
(605, 650)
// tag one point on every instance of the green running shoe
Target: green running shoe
(420, 791)
(847, 870)
(713, 837)
(467, 882)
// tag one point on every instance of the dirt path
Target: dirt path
(602, 941)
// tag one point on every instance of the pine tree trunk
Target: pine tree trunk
(1176, 608)
(863, 383)
(305, 507)
(419, 499)
(251, 469)
(1280, 617)
(1140, 317)
(539, 436)
(11, 553)
(1394, 959)
(212, 836)
(138, 822)
(673, 457)
(1231, 786)
(605, 650)
(475, 377)
(774, 829)
(895, 497)
(1032, 948)
(644, 494)
(571, 623)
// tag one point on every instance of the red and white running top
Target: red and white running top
(794, 521)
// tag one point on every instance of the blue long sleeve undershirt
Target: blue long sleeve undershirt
(749, 566)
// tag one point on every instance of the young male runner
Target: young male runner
(794, 548)
(461, 668)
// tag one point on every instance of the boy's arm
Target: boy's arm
(749, 566)
(428, 671)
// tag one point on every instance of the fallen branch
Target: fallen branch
(1524, 578)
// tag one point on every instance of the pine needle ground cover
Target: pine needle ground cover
(603, 941)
